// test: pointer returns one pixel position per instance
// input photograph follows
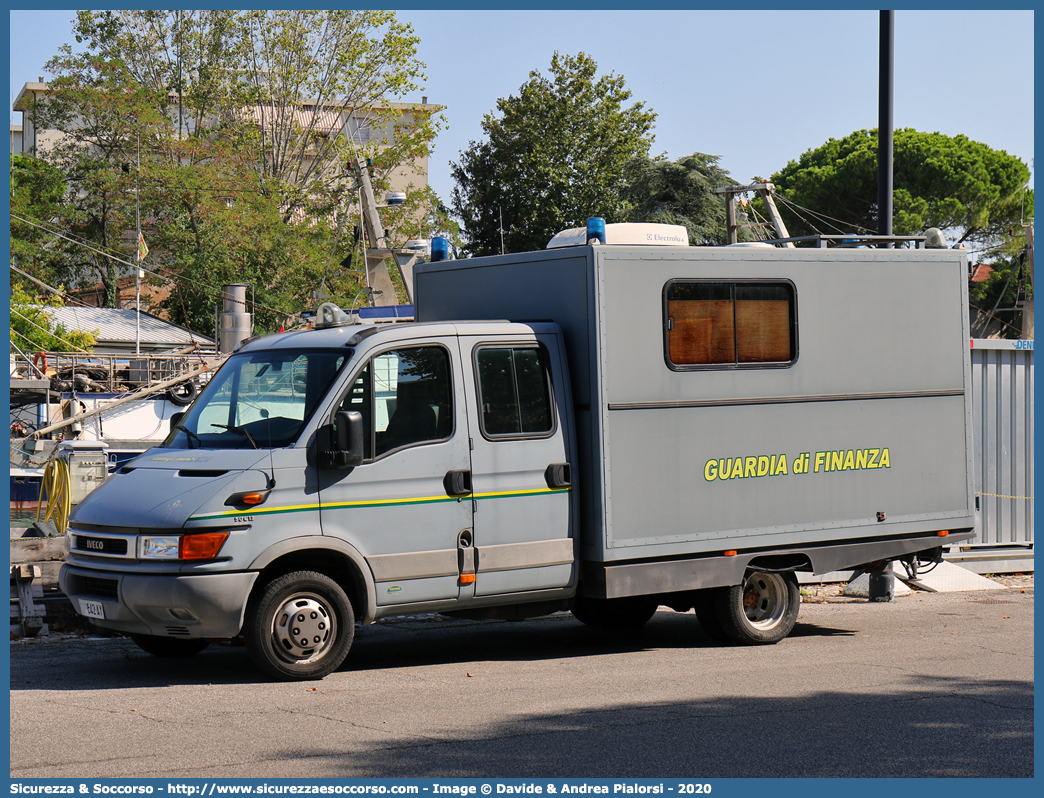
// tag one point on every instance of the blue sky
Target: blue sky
(757, 88)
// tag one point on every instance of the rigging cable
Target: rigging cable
(821, 217)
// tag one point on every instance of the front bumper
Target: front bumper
(168, 605)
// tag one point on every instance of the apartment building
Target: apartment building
(363, 126)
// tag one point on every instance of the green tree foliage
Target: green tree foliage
(678, 192)
(245, 172)
(33, 329)
(994, 299)
(37, 193)
(973, 193)
(553, 157)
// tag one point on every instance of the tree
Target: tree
(970, 191)
(994, 301)
(247, 123)
(552, 158)
(33, 329)
(37, 193)
(678, 192)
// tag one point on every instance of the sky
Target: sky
(756, 88)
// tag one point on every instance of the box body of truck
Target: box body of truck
(756, 401)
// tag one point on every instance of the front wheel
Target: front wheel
(762, 610)
(169, 646)
(300, 626)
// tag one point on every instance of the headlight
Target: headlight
(199, 546)
(165, 548)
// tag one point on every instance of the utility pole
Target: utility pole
(137, 246)
(884, 125)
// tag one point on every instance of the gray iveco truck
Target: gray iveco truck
(601, 428)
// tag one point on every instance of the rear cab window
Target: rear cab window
(514, 392)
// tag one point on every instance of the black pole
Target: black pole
(884, 126)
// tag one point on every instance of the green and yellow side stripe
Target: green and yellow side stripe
(312, 507)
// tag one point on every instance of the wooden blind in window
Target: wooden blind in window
(702, 331)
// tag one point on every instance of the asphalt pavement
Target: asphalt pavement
(929, 685)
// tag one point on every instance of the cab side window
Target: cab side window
(405, 397)
(514, 392)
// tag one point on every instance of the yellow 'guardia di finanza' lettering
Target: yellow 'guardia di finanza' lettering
(743, 467)
(851, 460)
(775, 465)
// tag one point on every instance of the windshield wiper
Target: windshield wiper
(245, 433)
(190, 435)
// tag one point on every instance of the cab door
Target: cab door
(394, 507)
(520, 463)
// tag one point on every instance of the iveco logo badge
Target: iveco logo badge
(395, 589)
(94, 544)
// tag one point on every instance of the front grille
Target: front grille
(96, 586)
(179, 631)
(116, 547)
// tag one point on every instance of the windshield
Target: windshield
(259, 400)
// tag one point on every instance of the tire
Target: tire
(761, 611)
(169, 646)
(319, 641)
(707, 614)
(182, 394)
(620, 614)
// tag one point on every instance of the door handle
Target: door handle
(557, 475)
(457, 482)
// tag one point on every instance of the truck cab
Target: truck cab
(338, 475)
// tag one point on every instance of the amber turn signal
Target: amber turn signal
(943, 534)
(467, 579)
(250, 498)
(204, 546)
(730, 553)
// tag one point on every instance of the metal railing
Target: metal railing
(108, 373)
(849, 240)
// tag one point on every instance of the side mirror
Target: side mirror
(346, 441)
(175, 419)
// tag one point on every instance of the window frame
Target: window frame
(368, 362)
(548, 382)
(732, 284)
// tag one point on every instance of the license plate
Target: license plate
(92, 609)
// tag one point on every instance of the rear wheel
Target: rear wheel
(619, 613)
(169, 646)
(300, 626)
(762, 610)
